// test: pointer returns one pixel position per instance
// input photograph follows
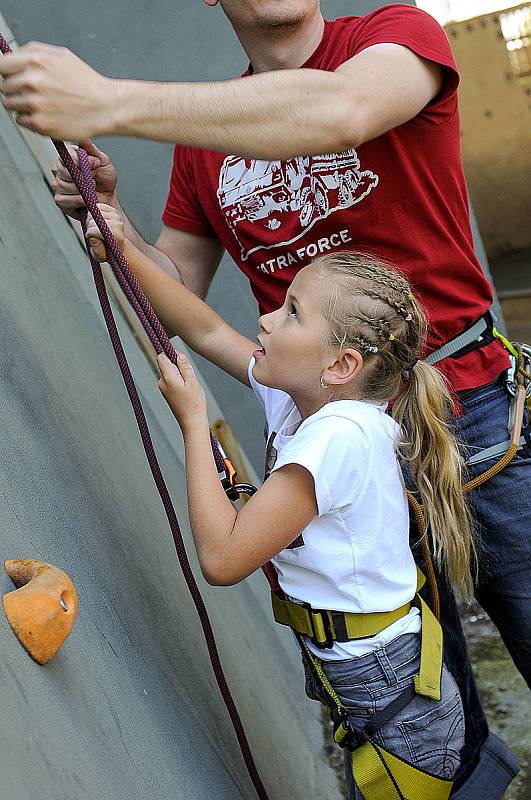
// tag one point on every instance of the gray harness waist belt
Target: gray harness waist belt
(472, 335)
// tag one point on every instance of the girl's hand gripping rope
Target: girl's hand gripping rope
(182, 391)
(115, 221)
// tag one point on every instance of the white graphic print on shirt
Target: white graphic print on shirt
(288, 196)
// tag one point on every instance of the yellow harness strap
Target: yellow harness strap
(428, 681)
(309, 622)
(378, 772)
(319, 624)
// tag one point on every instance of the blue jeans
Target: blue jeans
(426, 733)
(502, 511)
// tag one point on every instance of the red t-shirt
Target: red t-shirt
(401, 196)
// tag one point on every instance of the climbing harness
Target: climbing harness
(379, 774)
(323, 627)
(518, 375)
(518, 384)
(83, 179)
(480, 333)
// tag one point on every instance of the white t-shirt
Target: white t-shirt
(354, 555)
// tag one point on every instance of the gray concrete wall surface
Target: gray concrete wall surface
(165, 40)
(129, 708)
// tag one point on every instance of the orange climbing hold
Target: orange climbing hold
(42, 611)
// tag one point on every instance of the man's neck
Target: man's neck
(281, 48)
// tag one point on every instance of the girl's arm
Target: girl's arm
(232, 544)
(181, 312)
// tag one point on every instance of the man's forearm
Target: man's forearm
(270, 116)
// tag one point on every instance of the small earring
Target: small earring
(323, 384)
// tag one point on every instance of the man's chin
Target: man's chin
(282, 22)
(286, 14)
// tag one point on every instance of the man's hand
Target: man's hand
(65, 191)
(52, 91)
(182, 391)
(114, 220)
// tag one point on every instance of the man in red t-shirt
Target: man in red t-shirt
(376, 97)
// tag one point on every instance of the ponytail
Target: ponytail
(371, 307)
(422, 411)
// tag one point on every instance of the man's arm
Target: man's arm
(270, 115)
(190, 258)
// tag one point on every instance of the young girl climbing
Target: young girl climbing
(333, 513)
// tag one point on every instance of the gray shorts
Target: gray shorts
(426, 733)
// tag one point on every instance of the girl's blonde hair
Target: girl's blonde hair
(370, 306)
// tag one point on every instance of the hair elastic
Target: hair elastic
(406, 373)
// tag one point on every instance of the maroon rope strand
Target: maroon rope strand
(83, 180)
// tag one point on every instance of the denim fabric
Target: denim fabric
(502, 511)
(428, 734)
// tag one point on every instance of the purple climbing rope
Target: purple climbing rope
(126, 278)
(83, 179)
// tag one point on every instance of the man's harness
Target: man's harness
(480, 333)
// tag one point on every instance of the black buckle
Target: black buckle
(348, 738)
(329, 641)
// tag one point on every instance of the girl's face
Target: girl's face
(293, 340)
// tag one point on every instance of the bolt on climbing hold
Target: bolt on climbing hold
(43, 609)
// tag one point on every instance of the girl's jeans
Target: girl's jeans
(426, 733)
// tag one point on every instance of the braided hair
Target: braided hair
(370, 307)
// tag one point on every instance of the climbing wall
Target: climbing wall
(129, 707)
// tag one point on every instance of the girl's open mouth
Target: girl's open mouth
(260, 353)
